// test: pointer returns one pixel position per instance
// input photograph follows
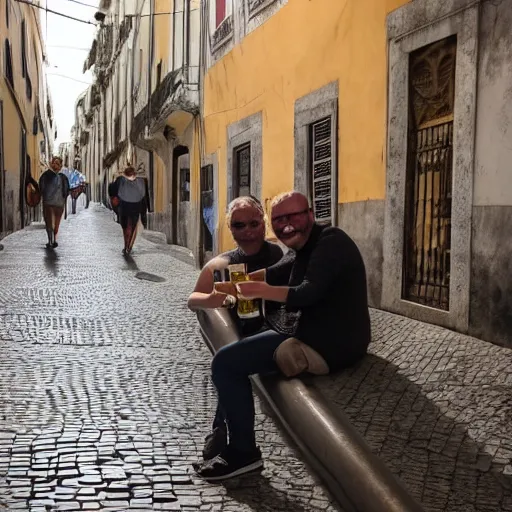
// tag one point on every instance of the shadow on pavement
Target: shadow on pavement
(130, 262)
(429, 449)
(256, 491)
(51, 260)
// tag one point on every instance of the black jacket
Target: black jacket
(48, 176)
(327, 304)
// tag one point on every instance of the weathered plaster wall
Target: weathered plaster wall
(493, 177)
(161, 218)
(19, 109)
(491, 275)
(163, 44)
(364, 222)
(184, 224)
(303, 47)
(491, 265)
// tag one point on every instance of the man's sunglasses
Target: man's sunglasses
(242, 225)
(289, 217)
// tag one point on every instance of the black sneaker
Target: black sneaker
(230, 464)
(215, 443)
(55, 244)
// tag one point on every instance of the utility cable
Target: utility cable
(82, 3)
(63, 47)
(68, 77)
(54, 12)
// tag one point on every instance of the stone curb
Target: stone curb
(177, 251)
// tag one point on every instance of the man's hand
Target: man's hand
(225, 287)
(258, 275)
(251, 289)
(261, 290)
(216, 299)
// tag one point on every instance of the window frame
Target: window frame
(405, 34)
(236, 169)
(309, 110)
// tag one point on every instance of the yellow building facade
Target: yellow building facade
(26, 124)
(299, 49)
(276, 63)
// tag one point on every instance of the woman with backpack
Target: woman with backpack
(129, 196)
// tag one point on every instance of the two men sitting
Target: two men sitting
(316, 320)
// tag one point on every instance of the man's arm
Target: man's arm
(258, 275)
(279, 273)
(204, 295)
(323, 269)
(42, 181)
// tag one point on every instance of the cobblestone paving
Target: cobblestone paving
(104, 384)
(437, 407)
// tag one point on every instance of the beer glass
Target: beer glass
(246, 308)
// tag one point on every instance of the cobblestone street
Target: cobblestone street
(436, 407)
(104, 383)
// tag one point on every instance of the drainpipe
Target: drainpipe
(150, 86)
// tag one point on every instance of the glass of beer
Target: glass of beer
(246, 308)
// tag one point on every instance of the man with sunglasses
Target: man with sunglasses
(315, 302)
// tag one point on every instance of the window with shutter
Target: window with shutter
(321, 169)
(242, 171)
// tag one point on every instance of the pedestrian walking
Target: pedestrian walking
(129, 194)
(54, 188)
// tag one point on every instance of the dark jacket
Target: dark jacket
(327, 304)
(46, 181)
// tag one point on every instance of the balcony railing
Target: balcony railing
(223, 34)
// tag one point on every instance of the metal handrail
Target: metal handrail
(356, 477)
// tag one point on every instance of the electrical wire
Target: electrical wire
(68, 77)
(67, 47)
(55, 12)
(82, 3)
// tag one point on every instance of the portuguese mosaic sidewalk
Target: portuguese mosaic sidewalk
(105, 395)
(436, 406)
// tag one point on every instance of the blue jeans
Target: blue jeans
(231, 368)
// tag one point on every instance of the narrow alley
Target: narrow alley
(104, 379)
